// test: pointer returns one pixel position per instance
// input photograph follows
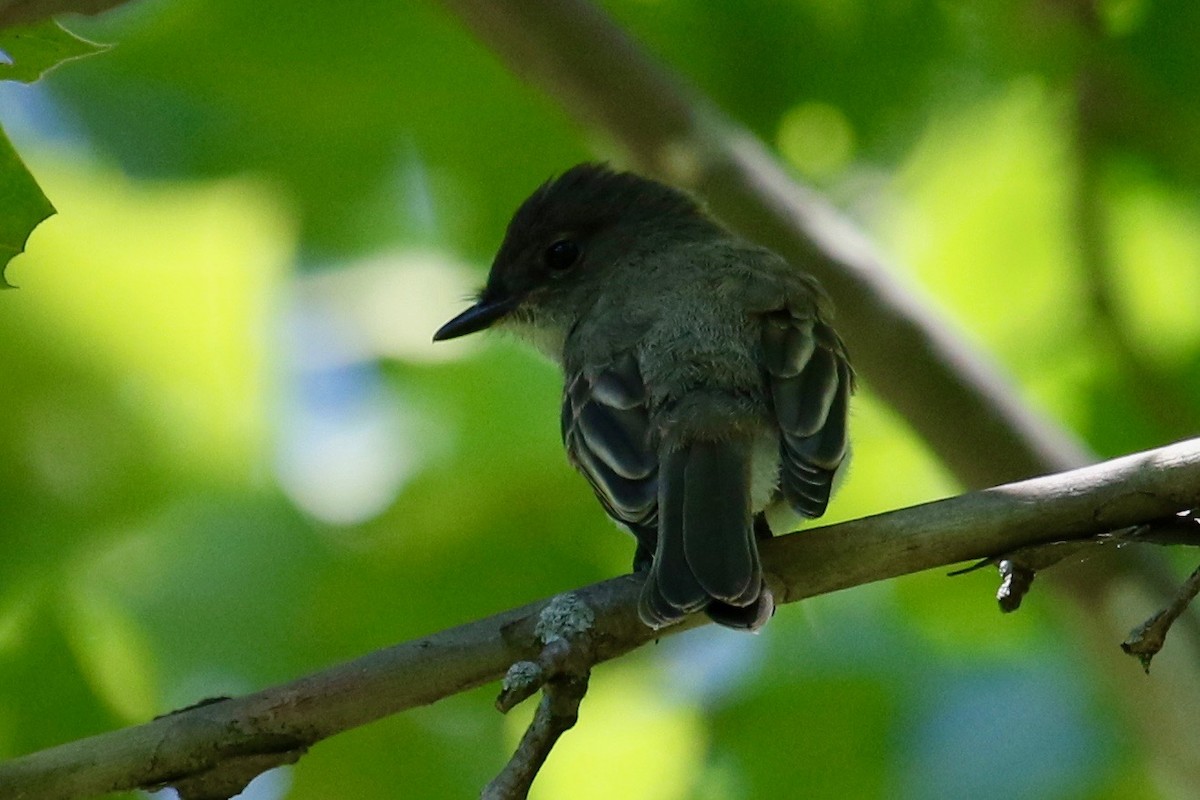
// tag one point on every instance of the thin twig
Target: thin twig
(1018, 568)
(566, 627)
(1147, 639)
(555, 715)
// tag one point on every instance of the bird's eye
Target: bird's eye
(562, 255)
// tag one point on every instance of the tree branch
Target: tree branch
(220, 743)
(1147, 639)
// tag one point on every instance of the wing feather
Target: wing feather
(606, 432)
(810, 382)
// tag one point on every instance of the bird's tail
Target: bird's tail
(706, 557)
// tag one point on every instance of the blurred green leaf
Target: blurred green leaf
(22, 205)
(34, 50)
(424, 747)
(26, 54)
(112, 652)
(830, 736)
(47, 699)
(348, 109)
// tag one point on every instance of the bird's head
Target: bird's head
(563, 243)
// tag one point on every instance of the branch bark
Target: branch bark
(220, 743)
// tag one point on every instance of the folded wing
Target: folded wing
(810, 382)
(606, 432)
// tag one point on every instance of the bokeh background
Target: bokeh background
(230, 454)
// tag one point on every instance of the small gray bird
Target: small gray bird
(704, 385)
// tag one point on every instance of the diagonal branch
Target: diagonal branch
(220, 743)
(1147, 639)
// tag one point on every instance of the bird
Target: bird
(705, 389)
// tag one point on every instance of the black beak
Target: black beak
(482, 315)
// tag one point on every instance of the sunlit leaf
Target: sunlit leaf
(113, 653)
(178, 294)
(33, 50)
(22, 205)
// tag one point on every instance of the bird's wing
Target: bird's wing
(606, 432)
(810, 382)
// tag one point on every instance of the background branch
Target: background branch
(1161, 403)
(274, 726)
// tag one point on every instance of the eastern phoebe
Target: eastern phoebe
(704, 383)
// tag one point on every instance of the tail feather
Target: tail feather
(747, 618)
(707, 555)
(678, 584)
(718, 532)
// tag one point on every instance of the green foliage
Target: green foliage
(23, 203)
(230, 454)
(34, 50)
(26, 54)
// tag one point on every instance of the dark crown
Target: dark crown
(589, 196)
